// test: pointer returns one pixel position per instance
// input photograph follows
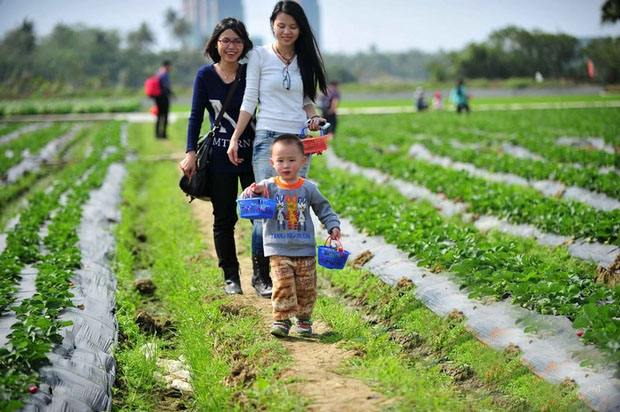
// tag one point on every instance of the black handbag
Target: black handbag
(199, 185)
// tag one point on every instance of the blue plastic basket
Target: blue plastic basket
(332, 257)
(257, 208)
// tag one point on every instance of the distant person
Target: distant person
(328, 104)
(538, 77)
(420, 100)
(163, 100)
(289, 240)
(459, 97)
(284, 77)
(437, 100)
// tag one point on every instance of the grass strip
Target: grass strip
(496, 264)
(214, 335)
(63, 106)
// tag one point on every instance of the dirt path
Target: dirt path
(315, 364)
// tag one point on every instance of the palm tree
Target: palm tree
(178, 26)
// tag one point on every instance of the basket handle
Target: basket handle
(322, 129)
(329, 240)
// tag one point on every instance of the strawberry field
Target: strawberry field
(514, 214)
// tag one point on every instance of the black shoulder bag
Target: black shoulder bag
(199, 185)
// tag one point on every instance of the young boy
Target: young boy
(288, 238)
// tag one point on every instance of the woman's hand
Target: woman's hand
(233, 151)
(315, 122)
(188, 164)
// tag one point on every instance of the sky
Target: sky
(348, 26)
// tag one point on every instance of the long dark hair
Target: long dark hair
(228, 23)
(309, 57)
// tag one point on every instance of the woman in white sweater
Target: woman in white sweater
(283, 77)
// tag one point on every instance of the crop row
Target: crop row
(513, 203)
(117, 105)
(539, 130)
(535, 130)
(6, 128)
(545, 146)
(10, 191)
(495, 265)
(13, 153)
(37, 326)
(23, 240)
(491, 157)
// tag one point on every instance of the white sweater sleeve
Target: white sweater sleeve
(252, 82)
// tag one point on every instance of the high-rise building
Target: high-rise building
(203, 15)
(311, 8)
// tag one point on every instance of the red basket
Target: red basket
(314, 145)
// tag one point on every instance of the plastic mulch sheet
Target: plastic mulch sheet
(82, 368)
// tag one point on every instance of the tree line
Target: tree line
(506, 53)
(77, 58)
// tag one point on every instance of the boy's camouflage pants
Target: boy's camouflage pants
(294, 286)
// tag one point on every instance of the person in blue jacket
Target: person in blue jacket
(228, 44)
(459, 97)
(163, 100)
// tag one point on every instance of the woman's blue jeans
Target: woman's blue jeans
(261, 155)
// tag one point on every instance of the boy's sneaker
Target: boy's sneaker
(304, 327)
(281, 327)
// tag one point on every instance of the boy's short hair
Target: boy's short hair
(288, 138)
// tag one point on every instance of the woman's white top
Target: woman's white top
(280, 110)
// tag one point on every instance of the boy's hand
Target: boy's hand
(254, 190)
(335, 233)
(258, 189)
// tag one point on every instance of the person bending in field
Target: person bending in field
(290, 244)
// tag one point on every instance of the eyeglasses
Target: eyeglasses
(235, 42)
(286, 78)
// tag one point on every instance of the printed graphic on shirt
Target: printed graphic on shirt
(224, 142)
(217, 108)
(291, 213)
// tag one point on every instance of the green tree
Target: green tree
(80, 56)
(178, 26)
(18, 48)
(141, 39)
(610, 11)
(516, 52)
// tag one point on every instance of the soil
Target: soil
(314, 372)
